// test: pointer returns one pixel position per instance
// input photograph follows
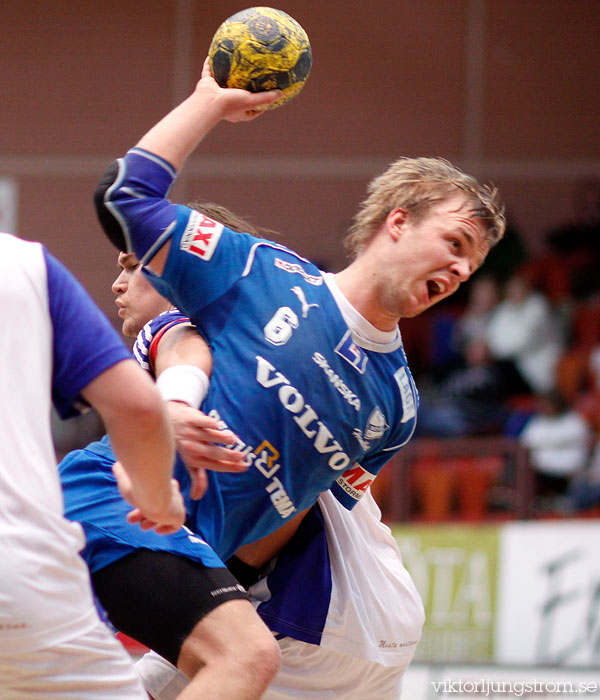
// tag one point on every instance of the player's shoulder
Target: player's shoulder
(17, 251)
(277, 251)
(8, 241)
(285, 260)
(24, 273)
(166, 318)
(142, 347)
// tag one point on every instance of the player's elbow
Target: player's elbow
(112, 227)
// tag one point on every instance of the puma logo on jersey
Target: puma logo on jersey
(305, 416)
(299, 292)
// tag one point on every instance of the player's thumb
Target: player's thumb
(123, 482)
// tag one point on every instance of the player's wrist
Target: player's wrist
(184, 383)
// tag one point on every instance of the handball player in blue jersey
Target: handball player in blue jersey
(334, 592)
(309, 370)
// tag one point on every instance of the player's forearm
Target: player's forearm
(135, 418)
(130, 184)
(145, 447)
(178, 134)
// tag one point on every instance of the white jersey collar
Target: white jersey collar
(364, 333)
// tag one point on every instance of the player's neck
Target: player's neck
(359, 286)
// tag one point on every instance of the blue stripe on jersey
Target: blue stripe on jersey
(84, 344)
(300, 583)
(147, 177)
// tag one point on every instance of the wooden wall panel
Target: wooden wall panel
(543, 79)
(60, 215)
(80, 78)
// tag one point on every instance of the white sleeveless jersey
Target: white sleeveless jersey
(344, 587)
(375, 611)
(46, 353)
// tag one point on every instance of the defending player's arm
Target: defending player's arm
(97, 367)
(142, 440)
(138, 217)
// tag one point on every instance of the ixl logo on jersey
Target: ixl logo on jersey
(353, 354)
(201, 236)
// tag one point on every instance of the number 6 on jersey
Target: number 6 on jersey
(279, 329)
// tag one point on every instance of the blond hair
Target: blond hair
(418, 184)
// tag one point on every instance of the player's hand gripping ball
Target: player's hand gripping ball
(261, 49)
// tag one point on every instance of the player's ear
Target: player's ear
(396, 220)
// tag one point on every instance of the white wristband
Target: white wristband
(183, 383)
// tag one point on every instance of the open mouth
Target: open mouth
(435, 289)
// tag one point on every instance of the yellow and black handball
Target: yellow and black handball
(261, 49)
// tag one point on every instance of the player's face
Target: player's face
(433, 256)
(137, 300)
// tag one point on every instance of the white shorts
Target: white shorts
(94, 666)
(315, 673)
(307, 671)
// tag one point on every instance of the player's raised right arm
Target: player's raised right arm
(178, 134)
(131, 197)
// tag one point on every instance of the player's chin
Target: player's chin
(130, 329)
(415, 309)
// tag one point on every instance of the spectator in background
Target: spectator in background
(484, 296)
(524, 331)
(584, 489)
(567, 269)
(470, 401)
(558, 439)
(594, 369)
